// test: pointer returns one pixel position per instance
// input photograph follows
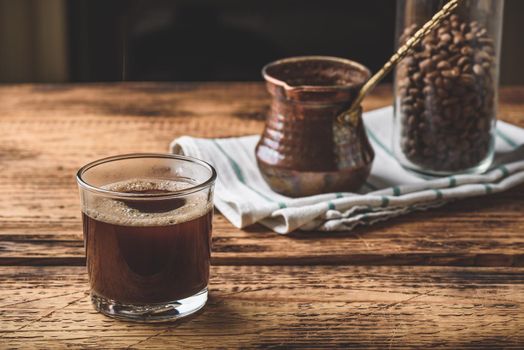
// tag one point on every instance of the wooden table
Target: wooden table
(452, 277)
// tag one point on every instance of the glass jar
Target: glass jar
(446, 88)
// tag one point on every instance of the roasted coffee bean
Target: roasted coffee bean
(446, 94)
(426, 66)
(469, 36)
(453, 60)
(445, 38)
(468, 68)
(483, 56)
(463, 60)
(443, 65)
(442, 93)
(458, 39)
(482, 32)
(478, 70)
(466, 51)
(486, 41)
(447, 74)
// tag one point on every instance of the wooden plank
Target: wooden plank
(282, 307)
(48, 131)
(476, 237)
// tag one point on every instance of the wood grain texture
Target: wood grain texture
(282, 307)
(49, 131)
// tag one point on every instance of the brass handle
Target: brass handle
(351, 115)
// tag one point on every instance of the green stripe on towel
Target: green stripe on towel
(378, 142)
(240, 175)
(506, 138)
(504, 170)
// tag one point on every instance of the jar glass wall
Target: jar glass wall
(446, 88)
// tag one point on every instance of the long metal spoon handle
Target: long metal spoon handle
(350, 115)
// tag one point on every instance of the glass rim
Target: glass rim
(166, 195)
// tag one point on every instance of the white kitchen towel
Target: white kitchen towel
(244, 198)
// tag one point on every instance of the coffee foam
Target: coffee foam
(117, 212)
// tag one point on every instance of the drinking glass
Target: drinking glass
(446, 89)
(147, 222)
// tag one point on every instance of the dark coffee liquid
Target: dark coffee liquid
(161, 259)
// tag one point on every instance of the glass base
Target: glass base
(161, 312)
(478, 169)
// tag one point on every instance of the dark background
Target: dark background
(201, 40)
(221, 40)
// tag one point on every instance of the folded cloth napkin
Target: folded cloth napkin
(244, 198)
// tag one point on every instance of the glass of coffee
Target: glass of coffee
(147, 234)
